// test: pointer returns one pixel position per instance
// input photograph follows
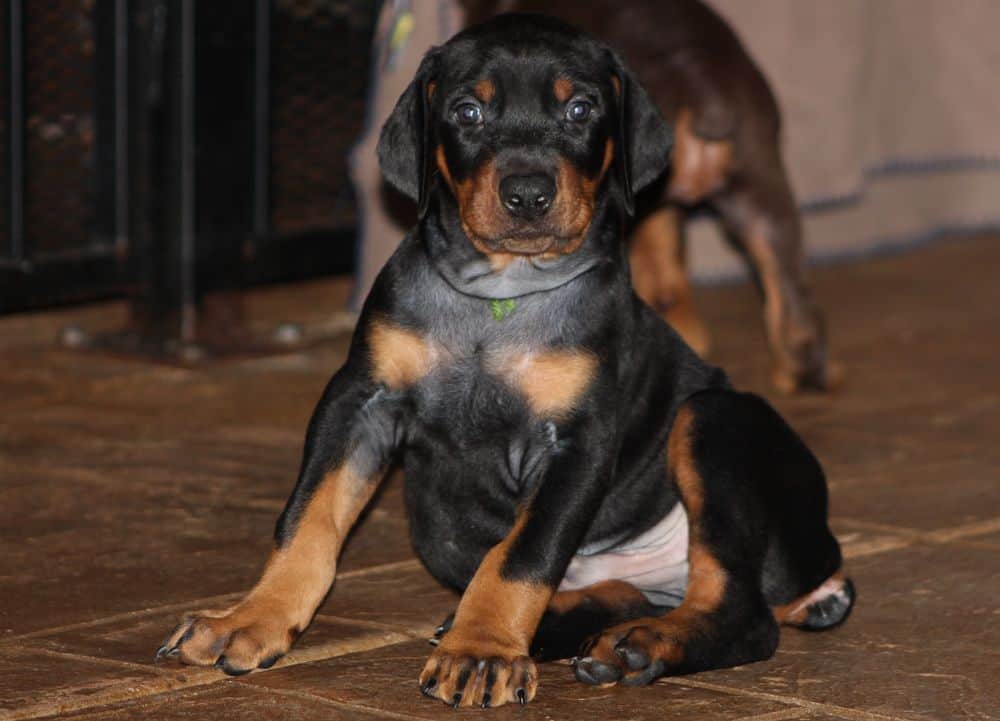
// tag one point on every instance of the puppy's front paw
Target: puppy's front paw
(478, 674)
(237, 640)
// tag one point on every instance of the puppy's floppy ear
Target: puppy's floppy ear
(404, 146)
(644, 140)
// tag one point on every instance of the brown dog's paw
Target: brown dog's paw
(483, 677)
(822, 377)
(633, 655)
(237, 641)
(683, 319)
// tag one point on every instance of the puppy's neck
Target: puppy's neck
(504, 276)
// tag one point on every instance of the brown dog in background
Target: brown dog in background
(727, 154)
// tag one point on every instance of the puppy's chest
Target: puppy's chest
(496, 388)
(481, 367)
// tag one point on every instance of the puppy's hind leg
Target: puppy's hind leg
(756, 503)
(572, 617)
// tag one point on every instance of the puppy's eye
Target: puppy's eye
(468, 114)
(578, 111)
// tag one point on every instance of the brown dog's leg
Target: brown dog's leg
(761, 213)
(659, 274)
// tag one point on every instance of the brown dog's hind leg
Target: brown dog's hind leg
(761, 214)
(659, 274)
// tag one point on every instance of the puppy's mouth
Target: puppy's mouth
(528, 245)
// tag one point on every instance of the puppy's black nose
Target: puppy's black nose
(528, 196)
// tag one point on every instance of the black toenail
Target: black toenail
(270, 661)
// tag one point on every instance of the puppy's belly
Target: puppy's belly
(655, 562)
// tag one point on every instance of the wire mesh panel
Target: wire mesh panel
(5, 107)
(320, 64)
(274, 99)
(59, 125)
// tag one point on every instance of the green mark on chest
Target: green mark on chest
(502, 308)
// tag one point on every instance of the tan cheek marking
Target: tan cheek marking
(478, 206)
(399, 357)
(574, 207)
(563, 89)
(617, 85)
(551, 382)
(431, 87)
(485, 90)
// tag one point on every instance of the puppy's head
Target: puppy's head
(524, 120)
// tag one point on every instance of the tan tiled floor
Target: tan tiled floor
(130, 493)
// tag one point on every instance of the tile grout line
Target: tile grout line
(100, 660)
(343, 705)
(124, 616)
(983, 545)
(874, 526)
(196, 677)
(979, 528)
(874, 548)
(913, 536)
(419, 633)
(812, 706)
(180, 605)
(795, 712)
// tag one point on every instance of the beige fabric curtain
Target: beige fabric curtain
(891, 119)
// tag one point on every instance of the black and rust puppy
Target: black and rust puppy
(571, 465)
(727, 154)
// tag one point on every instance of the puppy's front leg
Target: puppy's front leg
(483, 660)
(349, 443)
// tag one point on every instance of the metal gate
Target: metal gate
(169, 149)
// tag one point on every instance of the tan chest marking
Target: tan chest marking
(399, 357)
(552, 382)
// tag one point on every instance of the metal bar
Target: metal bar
(18, 243)
(187, 175)
(262, 120)
(122, 31)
